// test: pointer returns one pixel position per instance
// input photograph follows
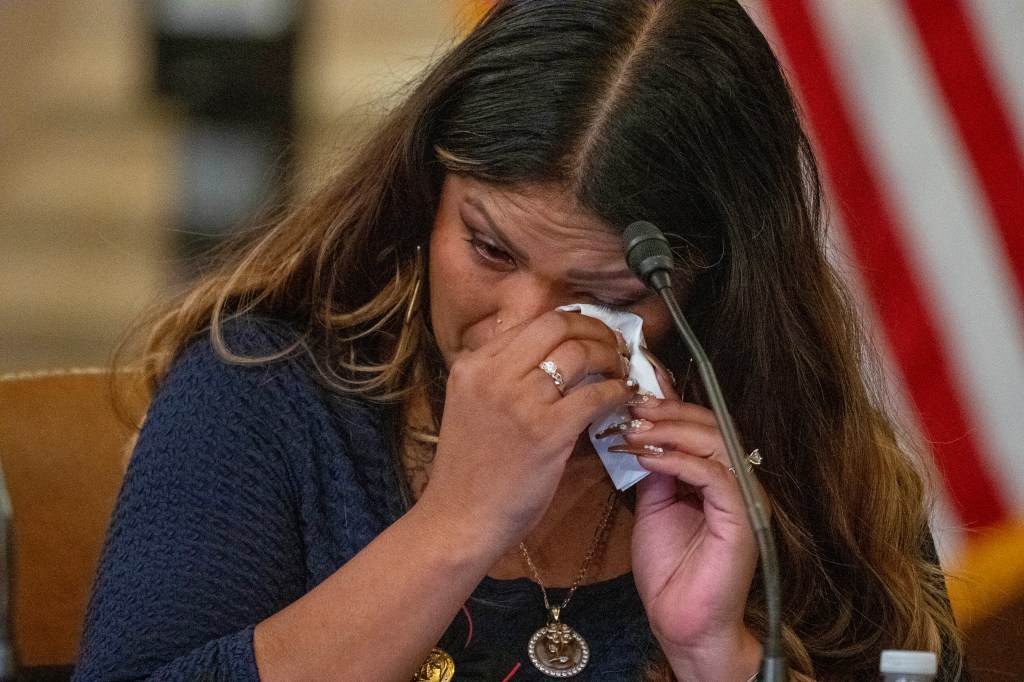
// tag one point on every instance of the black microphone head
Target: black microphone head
(647, 250)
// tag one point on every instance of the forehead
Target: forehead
(535, 214)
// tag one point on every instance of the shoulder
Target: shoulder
(248, 395)
(255, 364)
(249, 350)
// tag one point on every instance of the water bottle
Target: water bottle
(908, 666)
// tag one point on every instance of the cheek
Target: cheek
(455, 298)
(443, 305)
(659, 330)
(657, 323)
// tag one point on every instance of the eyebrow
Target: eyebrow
(575, 275)
(499, 235)
(599, 275)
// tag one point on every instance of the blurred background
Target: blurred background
(135, 135)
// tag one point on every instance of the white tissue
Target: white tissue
(623, 468)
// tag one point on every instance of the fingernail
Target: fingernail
(631, 426)
(659, 368)
(620, 340)
(642, 398)
(638, 450)
(624, 362)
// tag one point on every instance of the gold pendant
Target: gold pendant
(439, 667)
(557, 650)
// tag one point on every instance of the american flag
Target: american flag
(916, 110)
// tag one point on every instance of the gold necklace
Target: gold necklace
(556, 649)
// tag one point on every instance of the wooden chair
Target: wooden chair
(63, 448)
(987, 593)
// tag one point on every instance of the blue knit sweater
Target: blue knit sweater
(249, 486)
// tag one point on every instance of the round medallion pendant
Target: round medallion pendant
(558, 651)
(439, 667)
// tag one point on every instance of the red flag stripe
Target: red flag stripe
(873, 236)
(950, 41)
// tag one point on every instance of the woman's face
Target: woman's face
(500, 258)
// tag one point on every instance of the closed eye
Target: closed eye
(490, 254)
(614, 305)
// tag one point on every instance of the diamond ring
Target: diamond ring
(551, 369)
(753, 459)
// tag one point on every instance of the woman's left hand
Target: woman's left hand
(694, 553)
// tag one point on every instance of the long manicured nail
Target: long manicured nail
(642, 398)
(638, 450)
(659, 368)
(622, 428)
(620, 342)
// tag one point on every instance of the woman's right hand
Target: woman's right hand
(505, 437)
(507, 430)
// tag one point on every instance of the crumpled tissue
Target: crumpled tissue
(623, 468)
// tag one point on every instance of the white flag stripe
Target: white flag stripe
(948, 229)
(1000, 29)
(948, 532)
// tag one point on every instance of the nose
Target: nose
(527, 298)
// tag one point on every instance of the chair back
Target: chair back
(63, 449)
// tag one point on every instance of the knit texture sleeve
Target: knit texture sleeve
(206, 538)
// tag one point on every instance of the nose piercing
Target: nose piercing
(499, 320)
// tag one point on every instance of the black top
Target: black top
(248, 487)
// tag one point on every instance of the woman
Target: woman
(358, 460)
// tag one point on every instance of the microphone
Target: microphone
(648, 254)
(649, 257)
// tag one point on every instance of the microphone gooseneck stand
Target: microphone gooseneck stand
(649, 256)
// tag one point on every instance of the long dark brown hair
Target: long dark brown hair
(672, 111)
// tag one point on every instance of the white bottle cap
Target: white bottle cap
(909, 662)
